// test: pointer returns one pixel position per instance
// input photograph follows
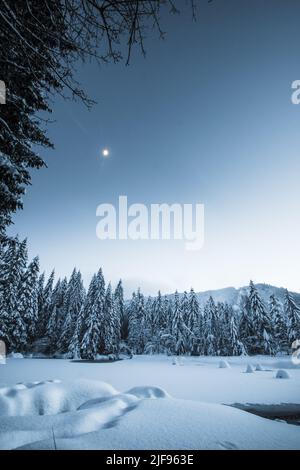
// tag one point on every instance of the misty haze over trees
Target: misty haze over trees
(62, 319)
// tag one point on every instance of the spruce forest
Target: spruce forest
(62, 319)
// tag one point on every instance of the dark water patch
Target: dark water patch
(288, 412)
(95, 361)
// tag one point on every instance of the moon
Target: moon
(105, 153)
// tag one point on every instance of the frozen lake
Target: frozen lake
(147, 402)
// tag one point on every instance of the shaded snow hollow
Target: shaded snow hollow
(89, 414)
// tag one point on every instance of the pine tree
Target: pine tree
(8, 289)
(168, 312)
(57, 315)
(152, 344)
(53, 332)
(22, 255)
(121, 311)
(193, 322)
(137, 317)
(226, 312)
(223, 328)
(217, 327)
(19, 333)
(178, 327)
(68, 301)
(45, 307)
(12, 329)
(53, 329)
(92, 342)
(246, 328)
(40, 292)
(157, 324)
(210, 327)
(292, 312)
(280, 327)
(28, 299)
(116, 325)
(159, 317)
(74, 350)
(89, 300)
(262, 340)
(75, 297)
(184, 307)
(111, 324)
(59, 298)
(140, 322)
(107, 328)
(132, 326)
(168, 305)
(235, 346)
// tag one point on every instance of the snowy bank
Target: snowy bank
(87, 414)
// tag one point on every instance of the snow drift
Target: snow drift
(282, 374)
(50, 397)
(89, 414)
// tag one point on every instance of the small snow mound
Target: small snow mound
(249, 369)
(148, 392)
(121, 401)
(258, 367)
(224, 365)
(282, 374)
(14, 355)
(178, 361)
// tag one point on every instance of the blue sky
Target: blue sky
(206, 117)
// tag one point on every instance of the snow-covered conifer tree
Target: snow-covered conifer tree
(184, 307)
(121, 311)
(74, 350)
(262, 339)
(193, 323)
(225, 314)
(235, 346)
(150, 328)
(57, 314)
(12, 329)
(136, 338)
(168, 313)
(53, 332)
(110, 329)
(45, 308)
(92, 342)
(279, 324)
(178, 327)
(223, 328)
(40, 292)
(159, 316)
(245, 327)
(210, 324)
(292, 312)
(107, 327)
(28, 299)
(75, 297)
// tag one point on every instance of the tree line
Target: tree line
(63, 319)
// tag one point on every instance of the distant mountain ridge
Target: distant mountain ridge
(233, 296)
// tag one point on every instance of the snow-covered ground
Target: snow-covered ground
(146, 403)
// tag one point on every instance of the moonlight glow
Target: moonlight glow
(105, 153)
